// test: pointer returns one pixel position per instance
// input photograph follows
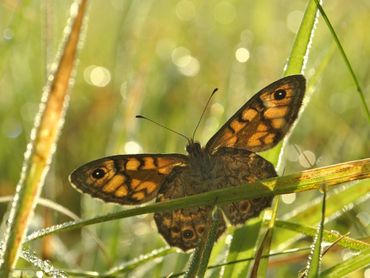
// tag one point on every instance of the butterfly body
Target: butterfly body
(224, 168)
(228, 159)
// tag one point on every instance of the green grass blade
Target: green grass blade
(242, 247)
(328, 236)
(300, 50)
(297, 59)
(249, 259)
(314, 260)
(40, 150)
(201, 255)
(260, 266)
(346, 60)
(43, 265)
(133, 264)
(308, 213)
(296, 62)
(299, 182)
(356, 262)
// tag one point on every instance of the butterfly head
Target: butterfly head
(194, 148)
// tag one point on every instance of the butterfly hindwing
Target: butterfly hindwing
(265, 119)
(125, 179)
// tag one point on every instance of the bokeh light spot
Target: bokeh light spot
(242, 55)
(97, 76)
(307, 159)
(186, 64)
(132, 147)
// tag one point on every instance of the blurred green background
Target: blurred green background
(162, 59)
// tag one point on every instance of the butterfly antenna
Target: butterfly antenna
(204, 110)
(165, 127)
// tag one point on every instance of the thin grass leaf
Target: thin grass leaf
(314, 260)
(356, 262)
(198, 262)
(346, 60)
(242, 247)
(328, 236)
(307, 180)
(308, 213)
(248, 259)
(210, 241)
(297, 60)
(43, 265)
(44, 135)
(195, 259)
(133, 264)
(261, 259)
(260, 265)
(299, 54)
(48, 204)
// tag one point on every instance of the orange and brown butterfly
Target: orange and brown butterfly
(228, 159)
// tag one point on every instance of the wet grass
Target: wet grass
(163, 59)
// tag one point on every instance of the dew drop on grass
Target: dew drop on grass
(45, 266)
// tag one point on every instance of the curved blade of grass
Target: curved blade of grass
(210, 240)
(43, 265)
(248, 259)
(260, 265)
(241, 248)
(297, 60)
(44, 135)
(131, 265)
(200, 257)
(48, 204)
(307, 180)
(62, 210)
(346, 60)
(308, 213)
(356, 262)
(329, 236)
(314, 260)
(299, 54)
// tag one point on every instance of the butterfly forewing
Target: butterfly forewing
(126, 179)
(265, 119)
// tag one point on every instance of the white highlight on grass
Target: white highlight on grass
(364, 218)
(288, 198)
(242, 55)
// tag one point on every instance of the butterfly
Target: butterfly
(228, 159)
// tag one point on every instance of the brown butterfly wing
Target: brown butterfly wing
(184, 227)
(265, 119)
(126, 179)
